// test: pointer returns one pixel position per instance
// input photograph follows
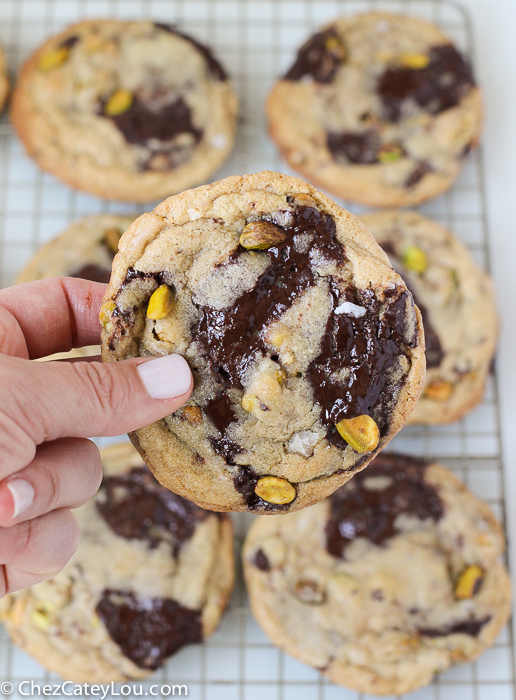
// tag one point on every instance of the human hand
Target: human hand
(48, 409)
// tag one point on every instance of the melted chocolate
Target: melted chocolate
(70, 42)
(136, 506)
(439, 86)
(368, 347)
(148, 630)
(356, 511)
(418, 174)
(433, 349)
(142, 122)
(214, 67)
(315, 59)
(261, 561)
(358, 147)
(93, 273)
(232, 337)
(472, 627)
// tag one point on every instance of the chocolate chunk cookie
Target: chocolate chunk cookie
(379, 109)
(457, 305)
(125, 110)
(306, 347)
(153, 572)
(392, 579)
(86, 250)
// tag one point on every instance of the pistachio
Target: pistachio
(361, 433)
(281, 377)
(112, 238)
(54, 58)
(416, 61)
(259, 235)
(415, 259)
(192, 415)
(335, 46)
(390, 153)
(250, 402)
(119, 102)
(439, 390)
(41, 615)
(470, 582)
(309, 592)
(105, 312)
(160, 303)
(274, 489)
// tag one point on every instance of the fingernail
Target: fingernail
(166, 377)
(23, 495)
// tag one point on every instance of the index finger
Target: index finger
(48, 316)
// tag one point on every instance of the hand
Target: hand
(47, 409)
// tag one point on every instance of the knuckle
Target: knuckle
(109, 390)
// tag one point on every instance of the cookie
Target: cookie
(126, 110)
(86, 250)
(305, 345)
(379, 109)
(394, 578)
(457, 304)
(152, 573)
(4, 79)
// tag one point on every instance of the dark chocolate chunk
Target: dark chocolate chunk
(93, 273)
(356, 511)
(439, 86)
(369, 346)
(136, 506)
(433, 351)
(143, 122)
(471, 626)
(358, 147)
(261, 561)
(214, 67)
(245, 483)
(148, 630)
(70, 42)
(317, 59)
(416, 175)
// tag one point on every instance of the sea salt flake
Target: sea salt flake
(350, 309)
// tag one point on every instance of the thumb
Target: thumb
(50, 400)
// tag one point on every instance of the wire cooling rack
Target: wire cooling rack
(256, 39)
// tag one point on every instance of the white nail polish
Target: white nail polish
(23, 495)
(166, 377)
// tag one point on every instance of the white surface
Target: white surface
(256, 39)
(494, 24)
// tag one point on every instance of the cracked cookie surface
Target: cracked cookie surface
(126, 110)
(379, 109)
(152, 573)
(457, 304)
(394, 578)
(306, 348)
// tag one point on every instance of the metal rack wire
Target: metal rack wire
(256, 40)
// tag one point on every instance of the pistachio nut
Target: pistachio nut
(469, 582)
(160, 303)
(415, 259)
(259, 235)
(361, 432)
(105, 312)
(54, 58)
(119, 102)
(439, 390)
(274, 489)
